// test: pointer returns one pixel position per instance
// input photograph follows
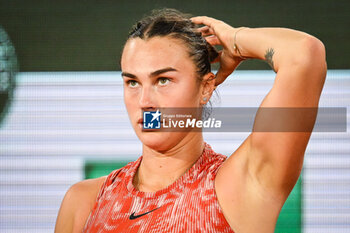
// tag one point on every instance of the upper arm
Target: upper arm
(273, 160)
(277, 147)
(260, 174)
(77, 204)
(254, 182)
(65, 218)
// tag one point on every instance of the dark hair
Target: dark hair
(175, 24)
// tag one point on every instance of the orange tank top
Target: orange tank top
(188, 205)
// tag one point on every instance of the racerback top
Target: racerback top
(188, 205)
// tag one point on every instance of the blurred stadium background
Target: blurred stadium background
(67, 121)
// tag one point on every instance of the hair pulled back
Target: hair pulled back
(175, 24)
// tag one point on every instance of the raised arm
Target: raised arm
(299, 61)
(255, 181)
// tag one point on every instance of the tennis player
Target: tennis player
(180, 184)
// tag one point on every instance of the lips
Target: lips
(140, 121)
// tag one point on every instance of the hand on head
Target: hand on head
(217, 32)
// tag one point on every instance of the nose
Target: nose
(147, 99)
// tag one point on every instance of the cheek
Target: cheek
(182, 94)
(129, 100)
(190, 92)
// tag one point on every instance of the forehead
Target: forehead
(156, 53)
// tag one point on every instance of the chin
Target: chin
(160, 141)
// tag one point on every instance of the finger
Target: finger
(213, 40)
(206, 31)
(203, 20)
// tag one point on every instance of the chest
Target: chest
(193, 208)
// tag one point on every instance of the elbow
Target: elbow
(314, 54)
(310, 60)
(314, 47)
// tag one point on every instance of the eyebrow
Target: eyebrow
(154, 73)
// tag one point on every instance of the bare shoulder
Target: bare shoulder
(77, 204)
(241, 197)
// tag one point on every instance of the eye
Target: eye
(132, 83)
(163, 81)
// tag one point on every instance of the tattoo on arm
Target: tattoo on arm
(268, 57)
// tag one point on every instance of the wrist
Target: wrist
(238, 50)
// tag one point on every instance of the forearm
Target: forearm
(278, 46)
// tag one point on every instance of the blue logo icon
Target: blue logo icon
(151, 120)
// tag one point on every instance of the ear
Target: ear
(207, 87)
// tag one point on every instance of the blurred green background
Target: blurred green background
(88, 35)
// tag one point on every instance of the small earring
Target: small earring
(205, 99)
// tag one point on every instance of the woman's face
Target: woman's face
(158, 73)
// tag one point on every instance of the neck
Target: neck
(160, 169)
